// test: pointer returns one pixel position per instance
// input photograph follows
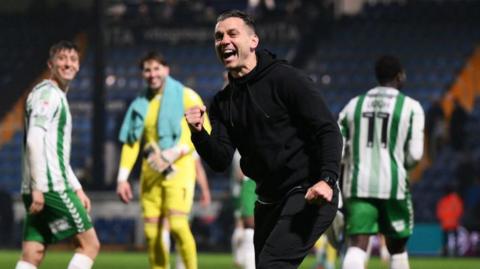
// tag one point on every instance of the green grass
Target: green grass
(138, 260)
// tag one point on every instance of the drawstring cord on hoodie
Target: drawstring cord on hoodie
(250, 95)
(255, 102)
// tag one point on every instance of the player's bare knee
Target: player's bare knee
(33, 259)
(249, 222)
(94, 246)
(360, 241)
(91, 250)
(88, 243)
(33, 253)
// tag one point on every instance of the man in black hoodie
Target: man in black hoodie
(289, 142)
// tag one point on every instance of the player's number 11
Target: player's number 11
(371, 117)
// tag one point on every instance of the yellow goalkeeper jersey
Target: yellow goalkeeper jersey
(185, 166)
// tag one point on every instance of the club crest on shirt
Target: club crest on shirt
(398, 225)
(59, 225)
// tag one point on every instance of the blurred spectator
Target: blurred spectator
(457, 126)
(435, 128)
(116, 10)
(254, 6)
(449, 212)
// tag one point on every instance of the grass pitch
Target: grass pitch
(138, 260)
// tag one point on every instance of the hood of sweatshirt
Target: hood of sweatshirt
(265, 61)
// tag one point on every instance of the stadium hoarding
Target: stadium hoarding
(119, 35)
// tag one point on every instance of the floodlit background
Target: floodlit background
(335, 42)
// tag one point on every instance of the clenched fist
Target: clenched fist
(318, 192)
(195, 117)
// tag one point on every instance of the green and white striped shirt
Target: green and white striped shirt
(383, 135)
(48, 127)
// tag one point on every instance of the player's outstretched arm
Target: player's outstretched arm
(215, 148)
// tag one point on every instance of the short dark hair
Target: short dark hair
(387, 67)
(62, 45)
(235, 13)
(152, 56)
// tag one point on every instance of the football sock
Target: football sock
(237, 238)
(25, 265)
(384, 255)
(248, 249)
(179, 261)
(331, 256)
(399, 261)
(166, 239)
(80, 261)
(354, 259)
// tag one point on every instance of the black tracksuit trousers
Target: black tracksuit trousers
(286, 231)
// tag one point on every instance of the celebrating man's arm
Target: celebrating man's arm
(216, 149)
(195, 117)
(321, 190)
(326, 146)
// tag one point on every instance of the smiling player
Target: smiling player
(57, 207)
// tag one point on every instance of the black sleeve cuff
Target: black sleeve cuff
(329, 177)
(199, 137)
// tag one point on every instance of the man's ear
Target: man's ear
(254, 42)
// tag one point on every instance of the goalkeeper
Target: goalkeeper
(154, 128)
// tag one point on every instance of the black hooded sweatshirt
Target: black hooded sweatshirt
(281, 126)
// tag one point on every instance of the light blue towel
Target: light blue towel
(169, 116)
(133, 122)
